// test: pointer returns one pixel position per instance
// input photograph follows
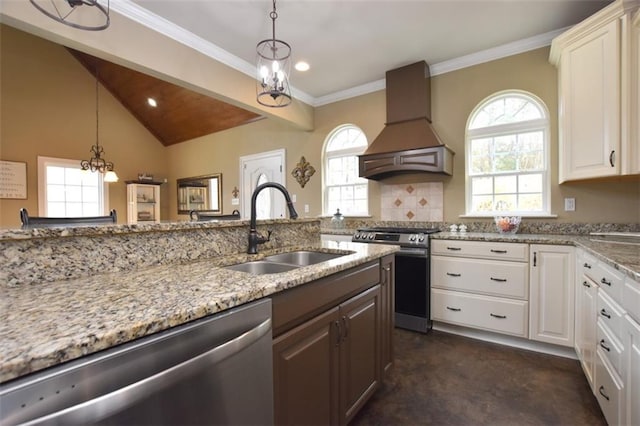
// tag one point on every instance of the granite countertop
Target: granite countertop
(624, 257)
(50, 323)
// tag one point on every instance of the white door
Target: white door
(258, 169)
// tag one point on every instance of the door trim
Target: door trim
(253, 157)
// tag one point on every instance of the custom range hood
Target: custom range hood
(408, 143)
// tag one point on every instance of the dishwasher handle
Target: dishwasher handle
(113, 402)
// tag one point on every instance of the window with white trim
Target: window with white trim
(507, 153)
(343, 188)
(65, 190)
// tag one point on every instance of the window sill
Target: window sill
(347, 216)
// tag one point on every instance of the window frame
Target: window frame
(326, 156)
(541, 124)
(44, 162)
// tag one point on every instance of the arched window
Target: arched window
(343, 189)
(507, 153)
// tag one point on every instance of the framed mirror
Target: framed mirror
(200, 193)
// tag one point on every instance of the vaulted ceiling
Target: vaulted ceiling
(180, 115)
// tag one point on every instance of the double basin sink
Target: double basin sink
(284, 262)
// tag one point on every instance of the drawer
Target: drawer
(610, 313)
(610, 346)
(609, 280)
(608, 390)
(484, 312)
(482, 249)
(506, 279)
(587, 265)
(631, 298)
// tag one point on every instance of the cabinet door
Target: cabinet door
(590, 106)
(305, 372)
(359, 351)
(387, 313)
(551, 299)
(586, 318)
(631, 416)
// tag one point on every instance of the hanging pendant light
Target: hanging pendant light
(273, 69)
(93, 17)
(97, 163)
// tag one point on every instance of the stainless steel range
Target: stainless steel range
(412, 276)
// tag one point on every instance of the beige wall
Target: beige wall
(47, 108)
(33, 124)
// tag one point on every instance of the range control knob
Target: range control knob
(357, 235)
(371, 236)
(412, 238)
(421, 238)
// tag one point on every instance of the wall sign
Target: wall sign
(13, 180)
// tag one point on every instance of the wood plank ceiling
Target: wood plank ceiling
(181, 114)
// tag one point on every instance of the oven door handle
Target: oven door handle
(413, 252)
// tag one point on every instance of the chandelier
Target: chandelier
(273, 69)
(97, 163)
(94, 17)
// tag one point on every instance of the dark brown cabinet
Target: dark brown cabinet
(387, 302)
(328, 365)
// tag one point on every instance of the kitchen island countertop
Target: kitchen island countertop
(50, 323)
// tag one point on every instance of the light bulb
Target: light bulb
(280, 76)
(264, 72)
(275, 67)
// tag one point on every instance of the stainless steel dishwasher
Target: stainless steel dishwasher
(216, 370)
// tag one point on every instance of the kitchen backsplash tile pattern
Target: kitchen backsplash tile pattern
(416, 202)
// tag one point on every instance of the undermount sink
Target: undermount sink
(284, 262)
(260, 267)
(303, 257)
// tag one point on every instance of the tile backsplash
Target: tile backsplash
(415, 202)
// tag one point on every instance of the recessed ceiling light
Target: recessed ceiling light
(302, 66)
(152, 102)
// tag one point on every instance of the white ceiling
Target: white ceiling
(351, 43)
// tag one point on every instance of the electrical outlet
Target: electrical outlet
(569, 204)
(306, 208)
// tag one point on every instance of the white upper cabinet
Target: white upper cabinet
(633, 165)
(598, 95)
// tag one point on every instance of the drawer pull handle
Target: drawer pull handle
(453, 309)
(612, 158)
(586, 284)
(601, 390)
(500, 280)
(586, 265)
(603, 346)
(498, 316)
(604, 281)
(498, 251)
(338, 333)
(453, 275)
(454, 248)
(605, 313)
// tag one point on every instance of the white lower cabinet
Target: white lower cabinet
(585, 325)
(483, 285)
(608, 389)
(477, 311)
(551, 298)
(631, 372)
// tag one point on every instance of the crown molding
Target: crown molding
(142, 16)
(444, 67)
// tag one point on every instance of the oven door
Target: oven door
(413, 289)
